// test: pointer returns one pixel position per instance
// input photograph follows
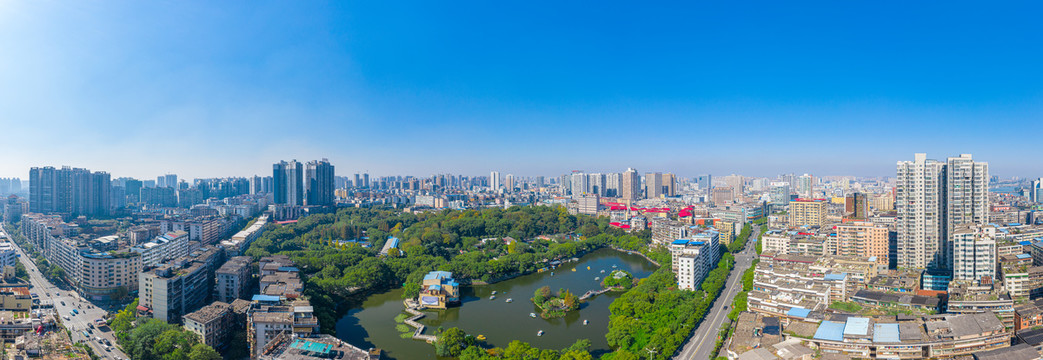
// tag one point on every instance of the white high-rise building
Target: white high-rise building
(598, 184)
(494, 180)
(966, 195)
(613, 184)
(933, 198)
(580, 184)
(919, 199)
(974, 252)
(1036, 192)
(806, 186)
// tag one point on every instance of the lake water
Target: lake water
(372, 324)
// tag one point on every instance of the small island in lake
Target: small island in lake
(554, 305)
(618, 280)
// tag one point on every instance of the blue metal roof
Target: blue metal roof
(798, 312)
(830, 330)
(1023, 256)
(1025, 243)
(835, 276)
(887, 333)
(858, 326)
(696, 243)
(265, 298)
(680, 242)
(434, 287)
(438, 275)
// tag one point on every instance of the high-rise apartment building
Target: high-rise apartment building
(779, 193)
(856, 206)
(508, 182)
(966, 195)
(630, 185)
(737, 183)
(919, 200)
(722, 195)
(43, 190)
(287, 182)
(863, 238)
(669, 184)
(597, 184)
(1036, 191)
(653, 185)
(705, 182)
(318, 183)
(612, 184)
(806, 186)
(540, 181)
(580, 183)
(69, 190)
(930, 203)
(494, 180)
(974, 252)
(804, 212)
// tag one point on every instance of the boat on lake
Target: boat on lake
(532, 315)
(573, 269)
(492, 297)
(494, 292)
(510, 300)
(597, 278)
(602, 271)
(613, 266)
(585, 322)
(540, 333)
(480, 337)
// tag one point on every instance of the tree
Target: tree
(450, 342)
(203, 352)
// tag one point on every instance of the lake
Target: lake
(372, 324)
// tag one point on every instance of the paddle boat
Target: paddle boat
(480, 337)
(540, 333)
(510, 300)
(532, 315)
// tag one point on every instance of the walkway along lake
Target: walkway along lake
(372, 323)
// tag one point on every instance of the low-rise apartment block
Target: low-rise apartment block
(233, 279)
(169, 246)
(178, 287)
(213, 323)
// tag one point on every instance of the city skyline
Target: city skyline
(420, 92)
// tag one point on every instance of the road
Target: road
(702, 340)
(76, 323)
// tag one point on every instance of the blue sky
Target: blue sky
(758, 88)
